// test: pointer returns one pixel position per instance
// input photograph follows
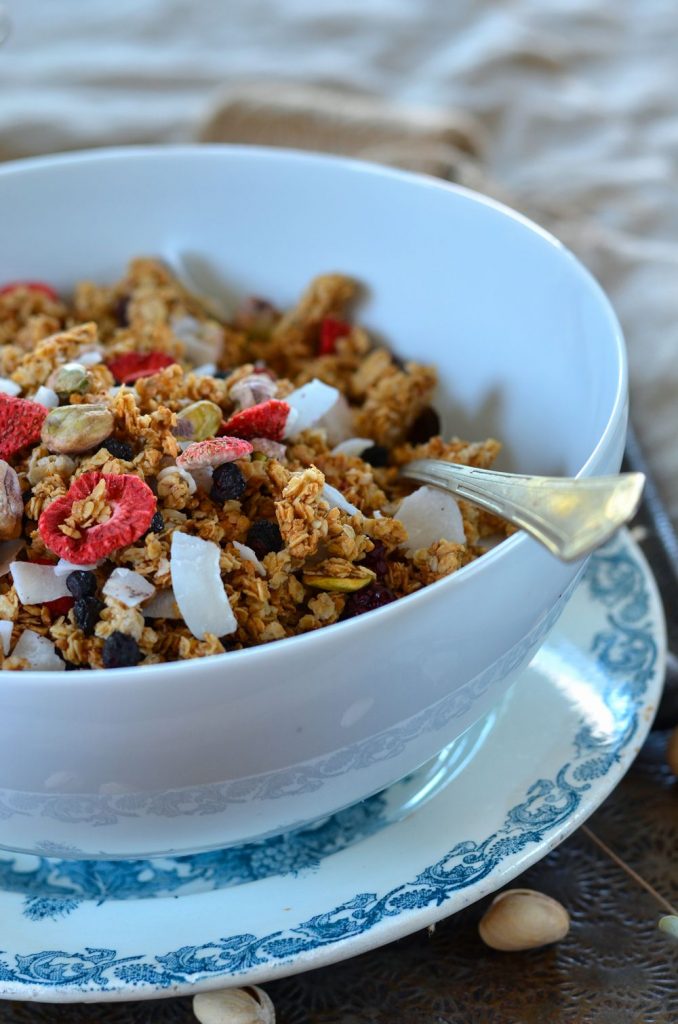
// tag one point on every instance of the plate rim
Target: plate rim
(392, 927)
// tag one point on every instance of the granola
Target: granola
(171, 509)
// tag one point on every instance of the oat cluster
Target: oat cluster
(140, 370)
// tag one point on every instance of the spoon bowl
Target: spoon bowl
(571, 516)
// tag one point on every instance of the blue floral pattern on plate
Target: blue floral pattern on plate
(628, 653)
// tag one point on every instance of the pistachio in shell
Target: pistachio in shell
(72, 429)
(520, 919)
(198, 421)
(11, 502)
(70, 379)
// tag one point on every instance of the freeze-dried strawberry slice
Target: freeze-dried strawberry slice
(31, 286)
(132, 365)
(20, 424)
(214, 452)
(331, 330)
(267, 419)
(132, 505)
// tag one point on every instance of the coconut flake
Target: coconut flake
(6, 628)
(273, 449)
(91, 357)
(311, 402)
(47, 397)
(38, 651)
(9, 549)
(248, 554)
(338, 422)
(65, 568)
(128, 587)
(430, 515)
(203, 341)
(252, 390)
(353, 446)
(162, 606)
(36, 583)
(335, 499)
(9, 387)
(198, 590)
(183, 473)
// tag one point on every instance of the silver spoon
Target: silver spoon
(569, 516)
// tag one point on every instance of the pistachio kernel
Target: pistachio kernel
(11, 503)
(76, 428)
(70, 379)
(198, 421)
(339, 584)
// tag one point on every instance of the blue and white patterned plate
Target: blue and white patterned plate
(572, 724)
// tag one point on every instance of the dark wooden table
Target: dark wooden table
(616, 876)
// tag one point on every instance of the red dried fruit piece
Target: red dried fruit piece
(60, 606)
(267, 419)
(20, 424)
(133, 365)
(331, 330)
(132, 504)
(31, 286)
(214, 452)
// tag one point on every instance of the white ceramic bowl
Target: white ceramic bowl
(194, 755)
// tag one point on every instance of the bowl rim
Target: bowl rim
(511, 546)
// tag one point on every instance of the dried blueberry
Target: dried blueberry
(86, 612)
(119, 449)
(376, 455)
(120, 651)
(426, 426)
(264, 536)
(228, 483)
(222, 374)
(374, 596)
(81, 583)
(157, 523)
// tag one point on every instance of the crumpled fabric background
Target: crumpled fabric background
(566, 109)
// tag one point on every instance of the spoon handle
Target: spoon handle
(570, 516)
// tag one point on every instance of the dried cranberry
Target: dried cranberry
(331, 330)
(376, 559)
(374, 596)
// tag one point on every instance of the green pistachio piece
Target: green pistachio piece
(76, 428)
(335, 583)
(70, 379)
(198, 421)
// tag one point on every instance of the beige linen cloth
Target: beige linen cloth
(565, 109)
